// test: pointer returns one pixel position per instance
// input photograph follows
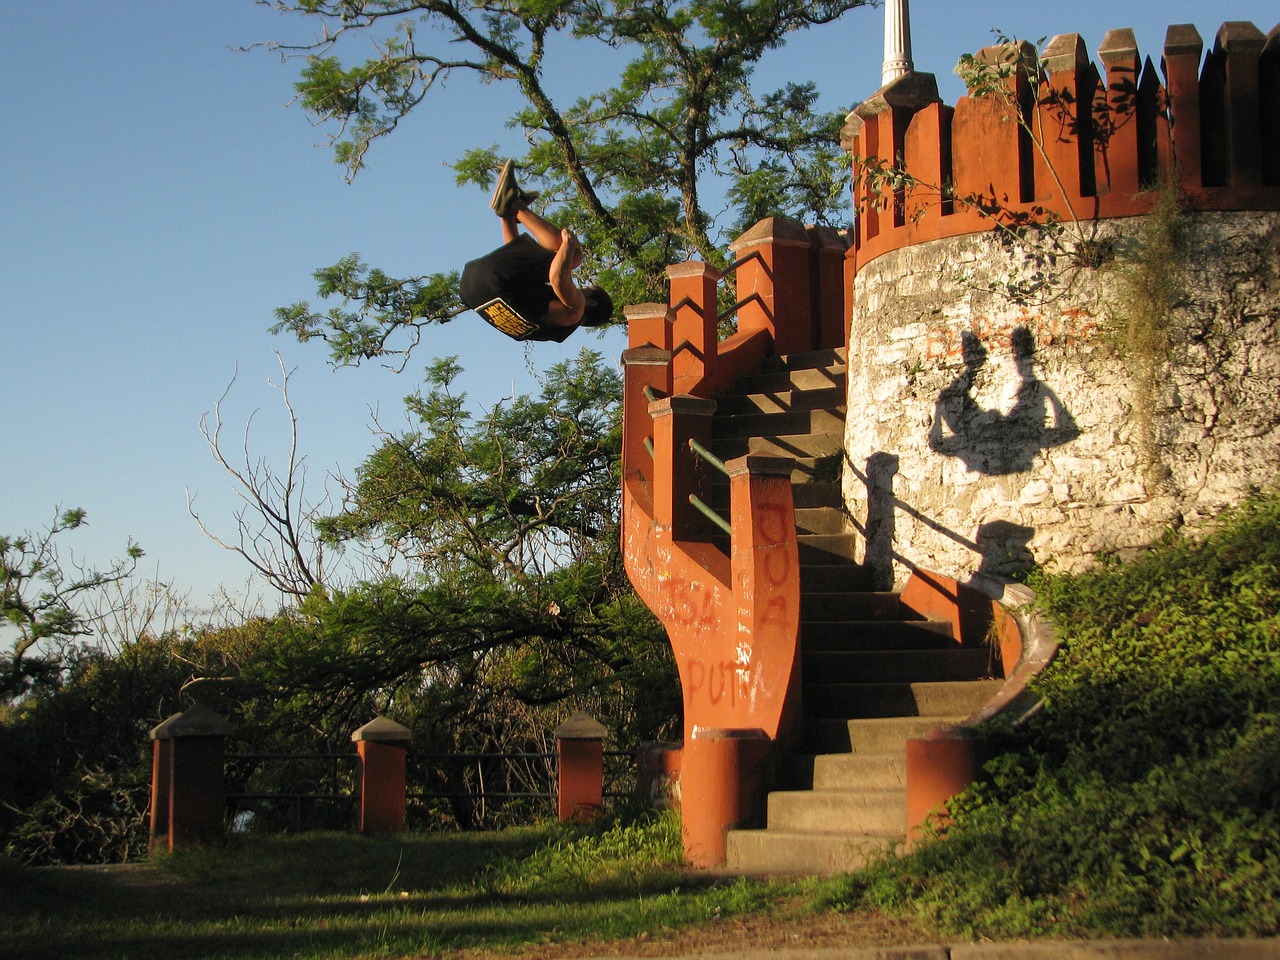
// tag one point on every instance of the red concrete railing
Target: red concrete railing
(732, 616)
(1104, 138)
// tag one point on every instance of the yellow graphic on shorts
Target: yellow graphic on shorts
(500, 314)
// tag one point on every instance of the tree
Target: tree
(276, 522)
(43, 599)
(625, 167)
(505, 526)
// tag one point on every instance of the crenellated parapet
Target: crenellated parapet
(1056, 135)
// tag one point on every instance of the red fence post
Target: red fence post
(580, 756)
(382, 746)
(188, 780)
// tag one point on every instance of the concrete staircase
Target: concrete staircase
(874, 675)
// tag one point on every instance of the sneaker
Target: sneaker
(505, 191)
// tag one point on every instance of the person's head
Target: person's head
(599, 309)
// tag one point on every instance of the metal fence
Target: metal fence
(319, 791)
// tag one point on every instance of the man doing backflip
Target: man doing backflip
(525, 288)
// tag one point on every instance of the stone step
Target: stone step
(833, 811)
(854, 605)
(825, 398)
(827, 357)
(788, 422)
(822, 520)
(826, 547)
(813, 494)
(799, 445)
(840, 636)
(894, 666)
(897, 699)
(835, 575)
(847, 771)
(803, 378)
(868, 734)
(779, 853)
(806, 494)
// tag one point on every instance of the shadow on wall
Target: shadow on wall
(996, 442)
(1002, 546)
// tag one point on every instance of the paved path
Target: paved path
(1057, 950)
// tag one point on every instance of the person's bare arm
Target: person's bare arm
(567, 312)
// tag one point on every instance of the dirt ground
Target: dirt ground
(783, 929)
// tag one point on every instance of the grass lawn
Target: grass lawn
(337, 895)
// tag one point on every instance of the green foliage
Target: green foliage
(625, 166)
(1144, 799)
(43, 601)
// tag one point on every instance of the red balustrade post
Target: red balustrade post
(382, 747)
(648, 325)
(834, 309)
(694, 334)
(646, 376)
(940, 765)
(722, 781)
(775, 284)
(765, 570)
(677, 470)
(580, 756)
(991, 154)
(161, 775)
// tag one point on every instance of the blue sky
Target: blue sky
(161, 197)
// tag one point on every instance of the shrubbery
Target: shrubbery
(1144, 799)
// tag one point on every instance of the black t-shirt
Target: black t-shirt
(510, 289)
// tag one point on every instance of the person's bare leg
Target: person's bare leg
(546, 234)
(510, 228)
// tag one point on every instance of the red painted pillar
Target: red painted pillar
(648, 325)
(190, 778)
(722, 786)
(940, 765)
(382, 746)
(580, 753)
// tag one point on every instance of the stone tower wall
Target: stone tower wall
(997, 415)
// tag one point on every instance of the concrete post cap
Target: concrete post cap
(196, 721)
(382, 730)
(581, 726)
